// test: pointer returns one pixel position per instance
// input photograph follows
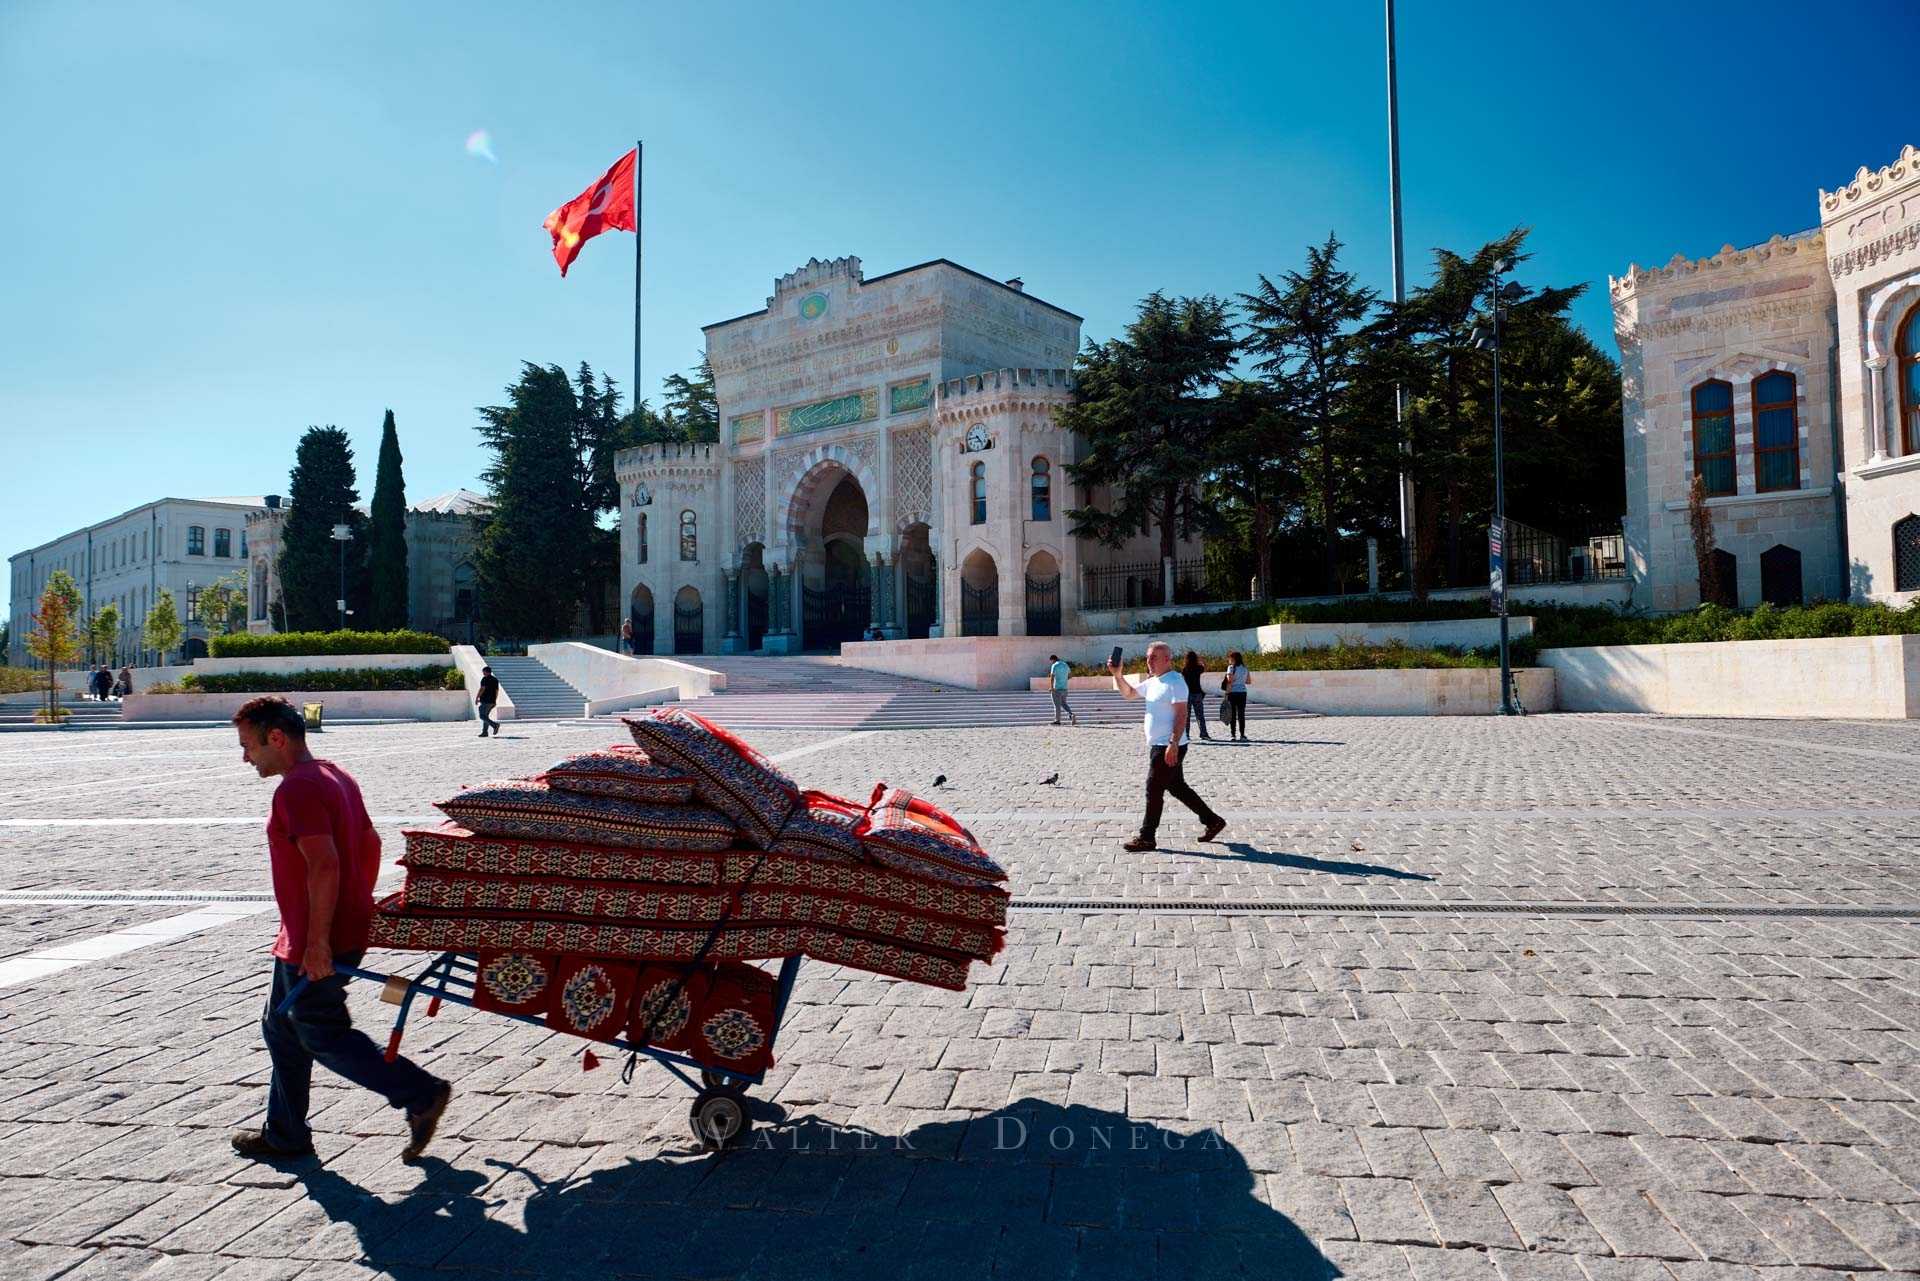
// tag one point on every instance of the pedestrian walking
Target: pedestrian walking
(626, 635)
(325, 857)
(1192, 670)
(101, 682)
(484, 700)
(1058, 674)
(1233, 690)
(124, 685)
(1164, 691)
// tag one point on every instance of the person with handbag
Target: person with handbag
(1233, 693)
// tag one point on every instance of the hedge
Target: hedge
(21, 680)
(361, 678)
(288, 644)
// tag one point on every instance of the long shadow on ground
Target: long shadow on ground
(1032, 1190)
(1245, 853)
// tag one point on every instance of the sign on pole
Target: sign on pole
(1496, 566)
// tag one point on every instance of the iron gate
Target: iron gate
(642, 631)
(1043, 606)
(689, 627)
(919, 603)
(835, 614)
(979, 611)
(756, 618)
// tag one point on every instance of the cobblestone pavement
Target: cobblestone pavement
(1318, 1049)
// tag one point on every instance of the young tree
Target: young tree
(1700, 525)
(1305, 336)
(321, 494)
(387, 538)
(1144, 406)
(55, 638)
(223, 603)
(6, 641)
(533, 548)
(163, 632)
(103, 635)
(690, 411)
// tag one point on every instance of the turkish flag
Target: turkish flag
(607, 205)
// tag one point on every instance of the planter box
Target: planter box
(1868, 677)
(380, 704)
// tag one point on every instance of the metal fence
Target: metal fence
(1536, 556)
(1143, 585)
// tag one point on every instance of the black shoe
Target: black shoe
(1214, 829)
(256, 1146)
(422, 1124)
(1140, 845)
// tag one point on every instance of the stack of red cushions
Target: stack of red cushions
(591, 891)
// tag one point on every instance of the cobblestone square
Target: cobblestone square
(1595, 997)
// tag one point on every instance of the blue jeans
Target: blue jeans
(319, 1030)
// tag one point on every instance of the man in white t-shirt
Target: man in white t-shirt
(1165, 693)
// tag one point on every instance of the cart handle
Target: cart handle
(352, 972)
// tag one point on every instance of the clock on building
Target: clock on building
(977, 439)
(642, 496)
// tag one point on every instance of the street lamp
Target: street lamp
(342, 534)
(1486, 337)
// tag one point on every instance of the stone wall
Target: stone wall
(1847, 676)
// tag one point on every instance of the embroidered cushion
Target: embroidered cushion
(664, 1003)
(902, 821)
(591, 997)
(733, 1027)
(531, 808)
(624, 772)
(512, 982)
(727, 774)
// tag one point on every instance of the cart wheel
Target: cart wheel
(718, 1119)
(723, 1083)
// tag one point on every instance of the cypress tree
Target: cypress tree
(321, 494)
(531, 556)
(387, 538)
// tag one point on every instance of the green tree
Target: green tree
(163, 632)
(1304, 336)
(533, 550)
(321, 494)
(689, 410)
(223, 603)
(6, 641)
(387, 539)
(1144, 407)
(1700, 527)
(1256, 477)
(103, 635)
(55, 635)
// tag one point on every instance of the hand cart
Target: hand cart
(719, 1114)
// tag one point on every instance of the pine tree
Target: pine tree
(321, 494)
(387, 538)
(690, 410)
(537, 539)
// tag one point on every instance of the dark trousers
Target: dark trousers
(1235, 713)
(1164, 780)
(318, 1030)
(486, 718)
(1198, 702)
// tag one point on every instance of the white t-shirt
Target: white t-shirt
(1162, 694)
(1237, 679)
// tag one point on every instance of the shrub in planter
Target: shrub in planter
(286, 644)
(359, 678)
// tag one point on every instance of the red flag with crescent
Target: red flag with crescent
(606, 205)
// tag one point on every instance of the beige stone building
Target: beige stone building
(888, 462)
(1787, 376)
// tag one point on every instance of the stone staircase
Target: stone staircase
(81, 713)
(537, 694)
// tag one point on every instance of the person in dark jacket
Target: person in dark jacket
(102, 683)
(1193, 669)
(483, 701)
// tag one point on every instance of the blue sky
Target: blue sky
(225, 222)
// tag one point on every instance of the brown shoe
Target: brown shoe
(256, 1146)
(422, 1124)
(1214, 829)
(1140, 845)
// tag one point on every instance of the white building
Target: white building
(172, 544)
(887, 459)
(1787, 375)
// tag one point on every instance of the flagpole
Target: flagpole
(638, 231)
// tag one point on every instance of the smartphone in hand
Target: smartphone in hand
(1113, 659)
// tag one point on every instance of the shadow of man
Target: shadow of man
(1241, 852)
(1034, 1189)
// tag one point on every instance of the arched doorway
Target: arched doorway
(1043, 595)
(689, 622)
(836, 595)
(640, 612)
(979, 595)
(1780, 581)
(918, 582)
(1726, 575)
(753, 582)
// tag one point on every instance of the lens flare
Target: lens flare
(480, 143)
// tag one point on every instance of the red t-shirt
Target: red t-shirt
(318, 798)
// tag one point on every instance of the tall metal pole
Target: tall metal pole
(639, 233)
(1407, 532)
(1500, 504)
(343, 584)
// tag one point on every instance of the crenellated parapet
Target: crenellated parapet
(816, 274)
(1871, 184)
(1802, 245)
(1000, 390)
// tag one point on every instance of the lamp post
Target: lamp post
(1486, 337)
(342, 534)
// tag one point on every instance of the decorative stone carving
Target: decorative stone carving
(750, 500)
(1868, 183)
(913, 475)
(1811, 242)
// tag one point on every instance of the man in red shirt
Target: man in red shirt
(325, 857)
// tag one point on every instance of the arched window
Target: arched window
(223, 543)
(1042, 488)
(1713, 436)
(1906, 554)
(978, 472)
(689, 536)
(643, 538)
(1776, 433)
(1908, 348)
(196, 540)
